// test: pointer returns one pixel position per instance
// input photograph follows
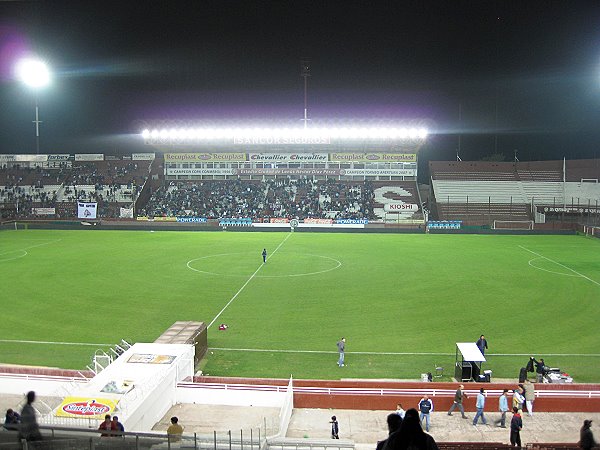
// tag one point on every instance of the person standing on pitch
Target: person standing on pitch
(458, 399)
(482, 344)
(341, 345)
(264, 255)
(480, 405)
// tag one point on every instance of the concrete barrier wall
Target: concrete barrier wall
(374, 395)
(230, 395)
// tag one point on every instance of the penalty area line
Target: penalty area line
(20, 341)
(561, 265)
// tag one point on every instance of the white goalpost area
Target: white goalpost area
(522, 225)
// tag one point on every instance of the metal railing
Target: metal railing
(81, 438)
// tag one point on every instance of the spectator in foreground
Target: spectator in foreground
(411, 435)
(586, 440)
(394, 421)
(12, 420)
(175, 430)
(107, 426)
(30, 430)
(118, 426)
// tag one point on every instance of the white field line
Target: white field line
(246, 283)
(98, 344)
(561, 265)
(31, 246)
(19, 341)
(264, 350)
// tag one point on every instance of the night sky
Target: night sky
(524, 75)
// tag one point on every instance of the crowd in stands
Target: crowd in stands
(60, 185)
(280, 198)
(115, 184)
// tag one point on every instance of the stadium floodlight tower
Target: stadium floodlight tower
(35, 74)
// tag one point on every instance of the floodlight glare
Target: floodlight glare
(33, 72)
(380, 133)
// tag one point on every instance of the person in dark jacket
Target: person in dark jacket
(411, 435)
(12, 420)
(540, 369)
(482, 344)
(426, 408)
(30, 430)
(516, 425)
(529, 367)
(394, 421)
(119, 428)
(459, 395)
(335, 428)
(586, 440)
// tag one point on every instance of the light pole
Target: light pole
(35, 74)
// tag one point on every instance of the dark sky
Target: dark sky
(524, 74)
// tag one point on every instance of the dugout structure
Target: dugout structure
(468, 362)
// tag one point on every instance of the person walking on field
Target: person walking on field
(341, 345)
(264, 255)
(480, 406)
(482, 344)
(458, 399)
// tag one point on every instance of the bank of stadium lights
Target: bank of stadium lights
(184, 135)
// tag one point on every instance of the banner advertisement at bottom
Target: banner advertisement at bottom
(85, 407)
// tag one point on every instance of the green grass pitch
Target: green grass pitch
(401, 300)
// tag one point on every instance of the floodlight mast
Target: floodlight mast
(305, 73)
(35, 74)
